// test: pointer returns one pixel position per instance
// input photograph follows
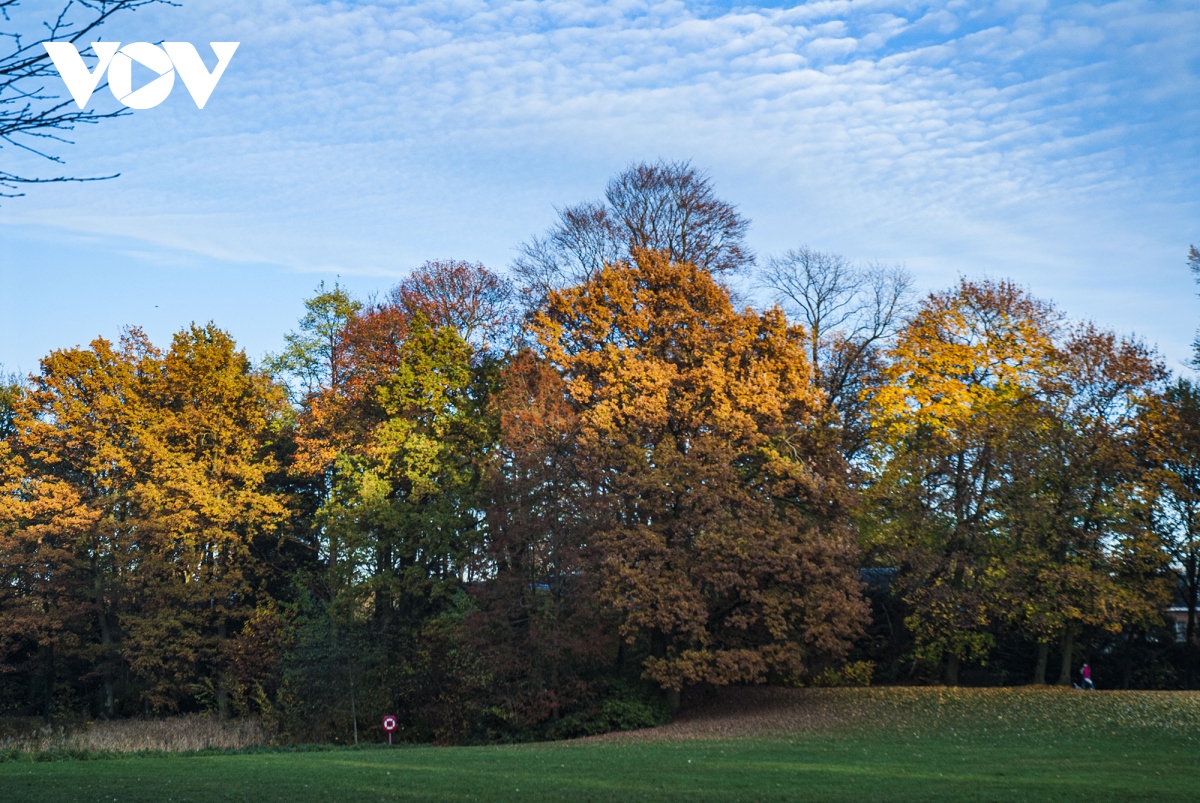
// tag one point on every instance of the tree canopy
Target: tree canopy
(570, 501)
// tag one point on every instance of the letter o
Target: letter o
(120, 75)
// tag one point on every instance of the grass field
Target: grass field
(852, 745)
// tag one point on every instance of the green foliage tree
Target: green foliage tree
(10, 391)
(313, 354)
(401, 442)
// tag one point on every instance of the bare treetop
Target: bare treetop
(849, 311)
(1194, 265)
(830, 294)
(662, 206)
(672, 207)
(464, 295)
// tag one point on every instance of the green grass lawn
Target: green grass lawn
(956, 746)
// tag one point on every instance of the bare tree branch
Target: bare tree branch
(665, 206)
(848, 310)
(32, 116)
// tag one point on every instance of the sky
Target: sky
(1055, 144)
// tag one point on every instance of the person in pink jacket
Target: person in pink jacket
(1087, 677)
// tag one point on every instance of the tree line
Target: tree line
(565, 500)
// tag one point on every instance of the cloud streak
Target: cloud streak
(368, 136)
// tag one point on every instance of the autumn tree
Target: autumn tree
(68, 522)
(538, 627)
(136, 510)
(1072, 513)
(1171, 429)
(400, 442)
(665, 206)
(962, 379)
(723, 535)
(208, 507)
(463, 295)
(1008, 476)
(377, 344)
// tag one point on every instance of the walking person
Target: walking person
(1087, 678)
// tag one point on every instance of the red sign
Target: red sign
(389, 725)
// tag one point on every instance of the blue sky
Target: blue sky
(1057, 144)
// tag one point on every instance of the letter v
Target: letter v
(80, 83)
(191, 69)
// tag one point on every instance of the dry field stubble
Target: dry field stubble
(173, 734)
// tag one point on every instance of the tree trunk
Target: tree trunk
(1190, 635)
(1127, 660)
(951, 669)
(658, 644)
(353, 707)
(1189, 646)
(1039, 671)
(48, 700)
(1068, 647)
(106, 640)
(385, 601)
(222, 691)
(672, 696)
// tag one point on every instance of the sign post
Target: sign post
(389, 725)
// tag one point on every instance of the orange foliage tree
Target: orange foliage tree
(69, 534)
(722, 534)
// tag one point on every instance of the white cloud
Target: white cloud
(368, 136)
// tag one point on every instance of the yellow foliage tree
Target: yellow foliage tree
(1007, 476)
(206, 500)
(132, 489)
(964, 377)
